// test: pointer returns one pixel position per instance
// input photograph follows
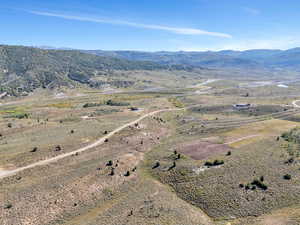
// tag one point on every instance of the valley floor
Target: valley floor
(152, 157)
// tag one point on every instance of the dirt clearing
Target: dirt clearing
(201, 150)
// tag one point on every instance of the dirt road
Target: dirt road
(7, 173)
(295, 103)
(241, 139)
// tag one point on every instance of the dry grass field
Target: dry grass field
(205, 163)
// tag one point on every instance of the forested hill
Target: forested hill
(26, 68)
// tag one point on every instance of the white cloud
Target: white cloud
(177, 30)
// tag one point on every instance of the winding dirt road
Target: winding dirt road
(7, 173)
(295, 104)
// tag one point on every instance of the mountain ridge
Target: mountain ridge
(256, 58)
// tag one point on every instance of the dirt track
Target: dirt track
(241, 139)
(7, 173)
(295, 103)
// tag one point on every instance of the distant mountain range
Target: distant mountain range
(22, 69)
(250, 59)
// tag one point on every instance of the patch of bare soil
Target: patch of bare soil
(275, 220)
(199, 150)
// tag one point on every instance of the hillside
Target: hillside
(22, 69)
(199, 59)
(254, 59)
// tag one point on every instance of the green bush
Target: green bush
(34, 149)
(218, 162)
(134, 108)
(156, 165)
(88, 105)
(259, 184)
(215, 163)
(262, 179)
(115, 103)
(20, 115)
(287, 177)
(112, 172)
(7, 206)
(292, 136)
(109, 163)
(127, 174)
(289, 161)
(208, 164)
(173, 166)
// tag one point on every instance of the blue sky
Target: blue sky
(152, 25)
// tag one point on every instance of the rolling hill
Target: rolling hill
(23, 69)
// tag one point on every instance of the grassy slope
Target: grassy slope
(216, 190)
